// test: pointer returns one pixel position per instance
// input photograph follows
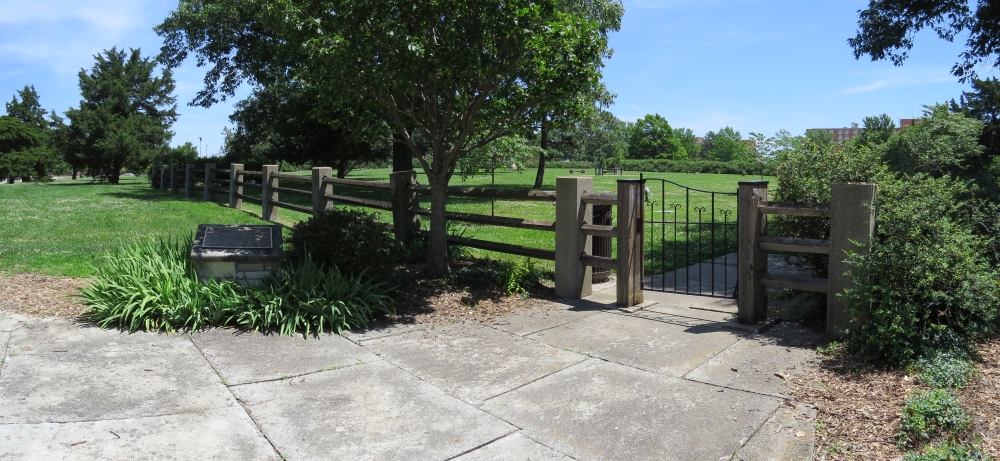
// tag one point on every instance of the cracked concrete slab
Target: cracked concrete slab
(708, 315)
(380, 330)
(220, 434)
(619, 412)
(373, 411)
(63, 336)
(246, 357)
(761, 363)
(472, 362)
(788, 434)
(100, 381)
(514, 447)
(542, 318)
(655, 341)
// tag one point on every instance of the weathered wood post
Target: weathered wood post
(853, 220)
(631, 211)
(189, 180)
(573, 278)
(209, 182)
(319, 189)
(269, 211)
(235, 188)
(173, 178)
(404, 221)
(164, 177)
(751, 260)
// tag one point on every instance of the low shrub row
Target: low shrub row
(698, 166)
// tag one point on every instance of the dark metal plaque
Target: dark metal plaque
(237, 237)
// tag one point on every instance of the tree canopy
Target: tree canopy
(652, 137)
(724, 146)
(125, 116)
(23, 151)
(462, 74)
(886, 30)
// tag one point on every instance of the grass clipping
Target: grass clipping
(152, 285)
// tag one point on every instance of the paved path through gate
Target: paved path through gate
(567, 380)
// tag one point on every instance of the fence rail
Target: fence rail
(573, 233)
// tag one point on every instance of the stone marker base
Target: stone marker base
(244, 274)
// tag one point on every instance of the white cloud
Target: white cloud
(110, 15)
(869, 87)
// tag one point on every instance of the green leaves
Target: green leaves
(929, 414)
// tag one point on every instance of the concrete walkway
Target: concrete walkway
(580, 380)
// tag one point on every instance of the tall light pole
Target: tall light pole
(199, 145)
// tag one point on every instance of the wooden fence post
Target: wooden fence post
(209, 181)
(853, 221)
(164, 177)
(751, 260)
(631, 211)
(573, 278)
(404, 221)
(320, 203)
(173, 178)
(235, 189)
(269, 211)
(189, 180)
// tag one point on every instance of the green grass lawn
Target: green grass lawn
(62, 228)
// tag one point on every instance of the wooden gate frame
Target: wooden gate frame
(852, 225)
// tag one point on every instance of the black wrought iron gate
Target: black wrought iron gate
(690, 238)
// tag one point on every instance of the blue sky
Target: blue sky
(756, 65)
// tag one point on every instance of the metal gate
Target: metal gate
(691, 240)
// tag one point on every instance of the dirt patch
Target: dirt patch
(41, 295)
(859, 405)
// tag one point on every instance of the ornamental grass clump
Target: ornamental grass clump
(152, 285)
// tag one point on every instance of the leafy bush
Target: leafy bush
(944, 370)
(949, 451)
(306, 298)
(925, 285)
(152, 285)
(507, 276)
(929, 414)
(351, 240)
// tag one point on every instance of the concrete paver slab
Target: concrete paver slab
(380, 330)
(10, 321)
(619, 412)
(472, 362)
(373, 411)
(694, 313)
(789, 434)
(63, 336)
(101, 384)
(221, 434)
(242, 358)
(760, 361)
(649, 340)
(542, 318)
(514, 447)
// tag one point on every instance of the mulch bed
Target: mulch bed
(40, 295)
(859, 405)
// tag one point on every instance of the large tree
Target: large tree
(28, 108)
(652, 137)
(23, 150)
(125, 116)
(886, 30)
(725, 146)
(461, 74)
(286, 124)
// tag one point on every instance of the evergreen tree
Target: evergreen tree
(125, 116)
(23, 153)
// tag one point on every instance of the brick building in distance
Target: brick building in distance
(846, 134)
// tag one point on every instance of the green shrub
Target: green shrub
(930, 414)
(507, 276)
(944, 370)
(304, 297)
(151, 285)
(354, 241)
(925, 285)
(698, 166)
(949, 451)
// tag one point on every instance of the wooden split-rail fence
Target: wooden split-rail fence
(573, 227)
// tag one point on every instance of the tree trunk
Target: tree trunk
(402, 158)
(74, 173)
(544, 144)
(437, 259)
(342, 169)
(113, 176)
